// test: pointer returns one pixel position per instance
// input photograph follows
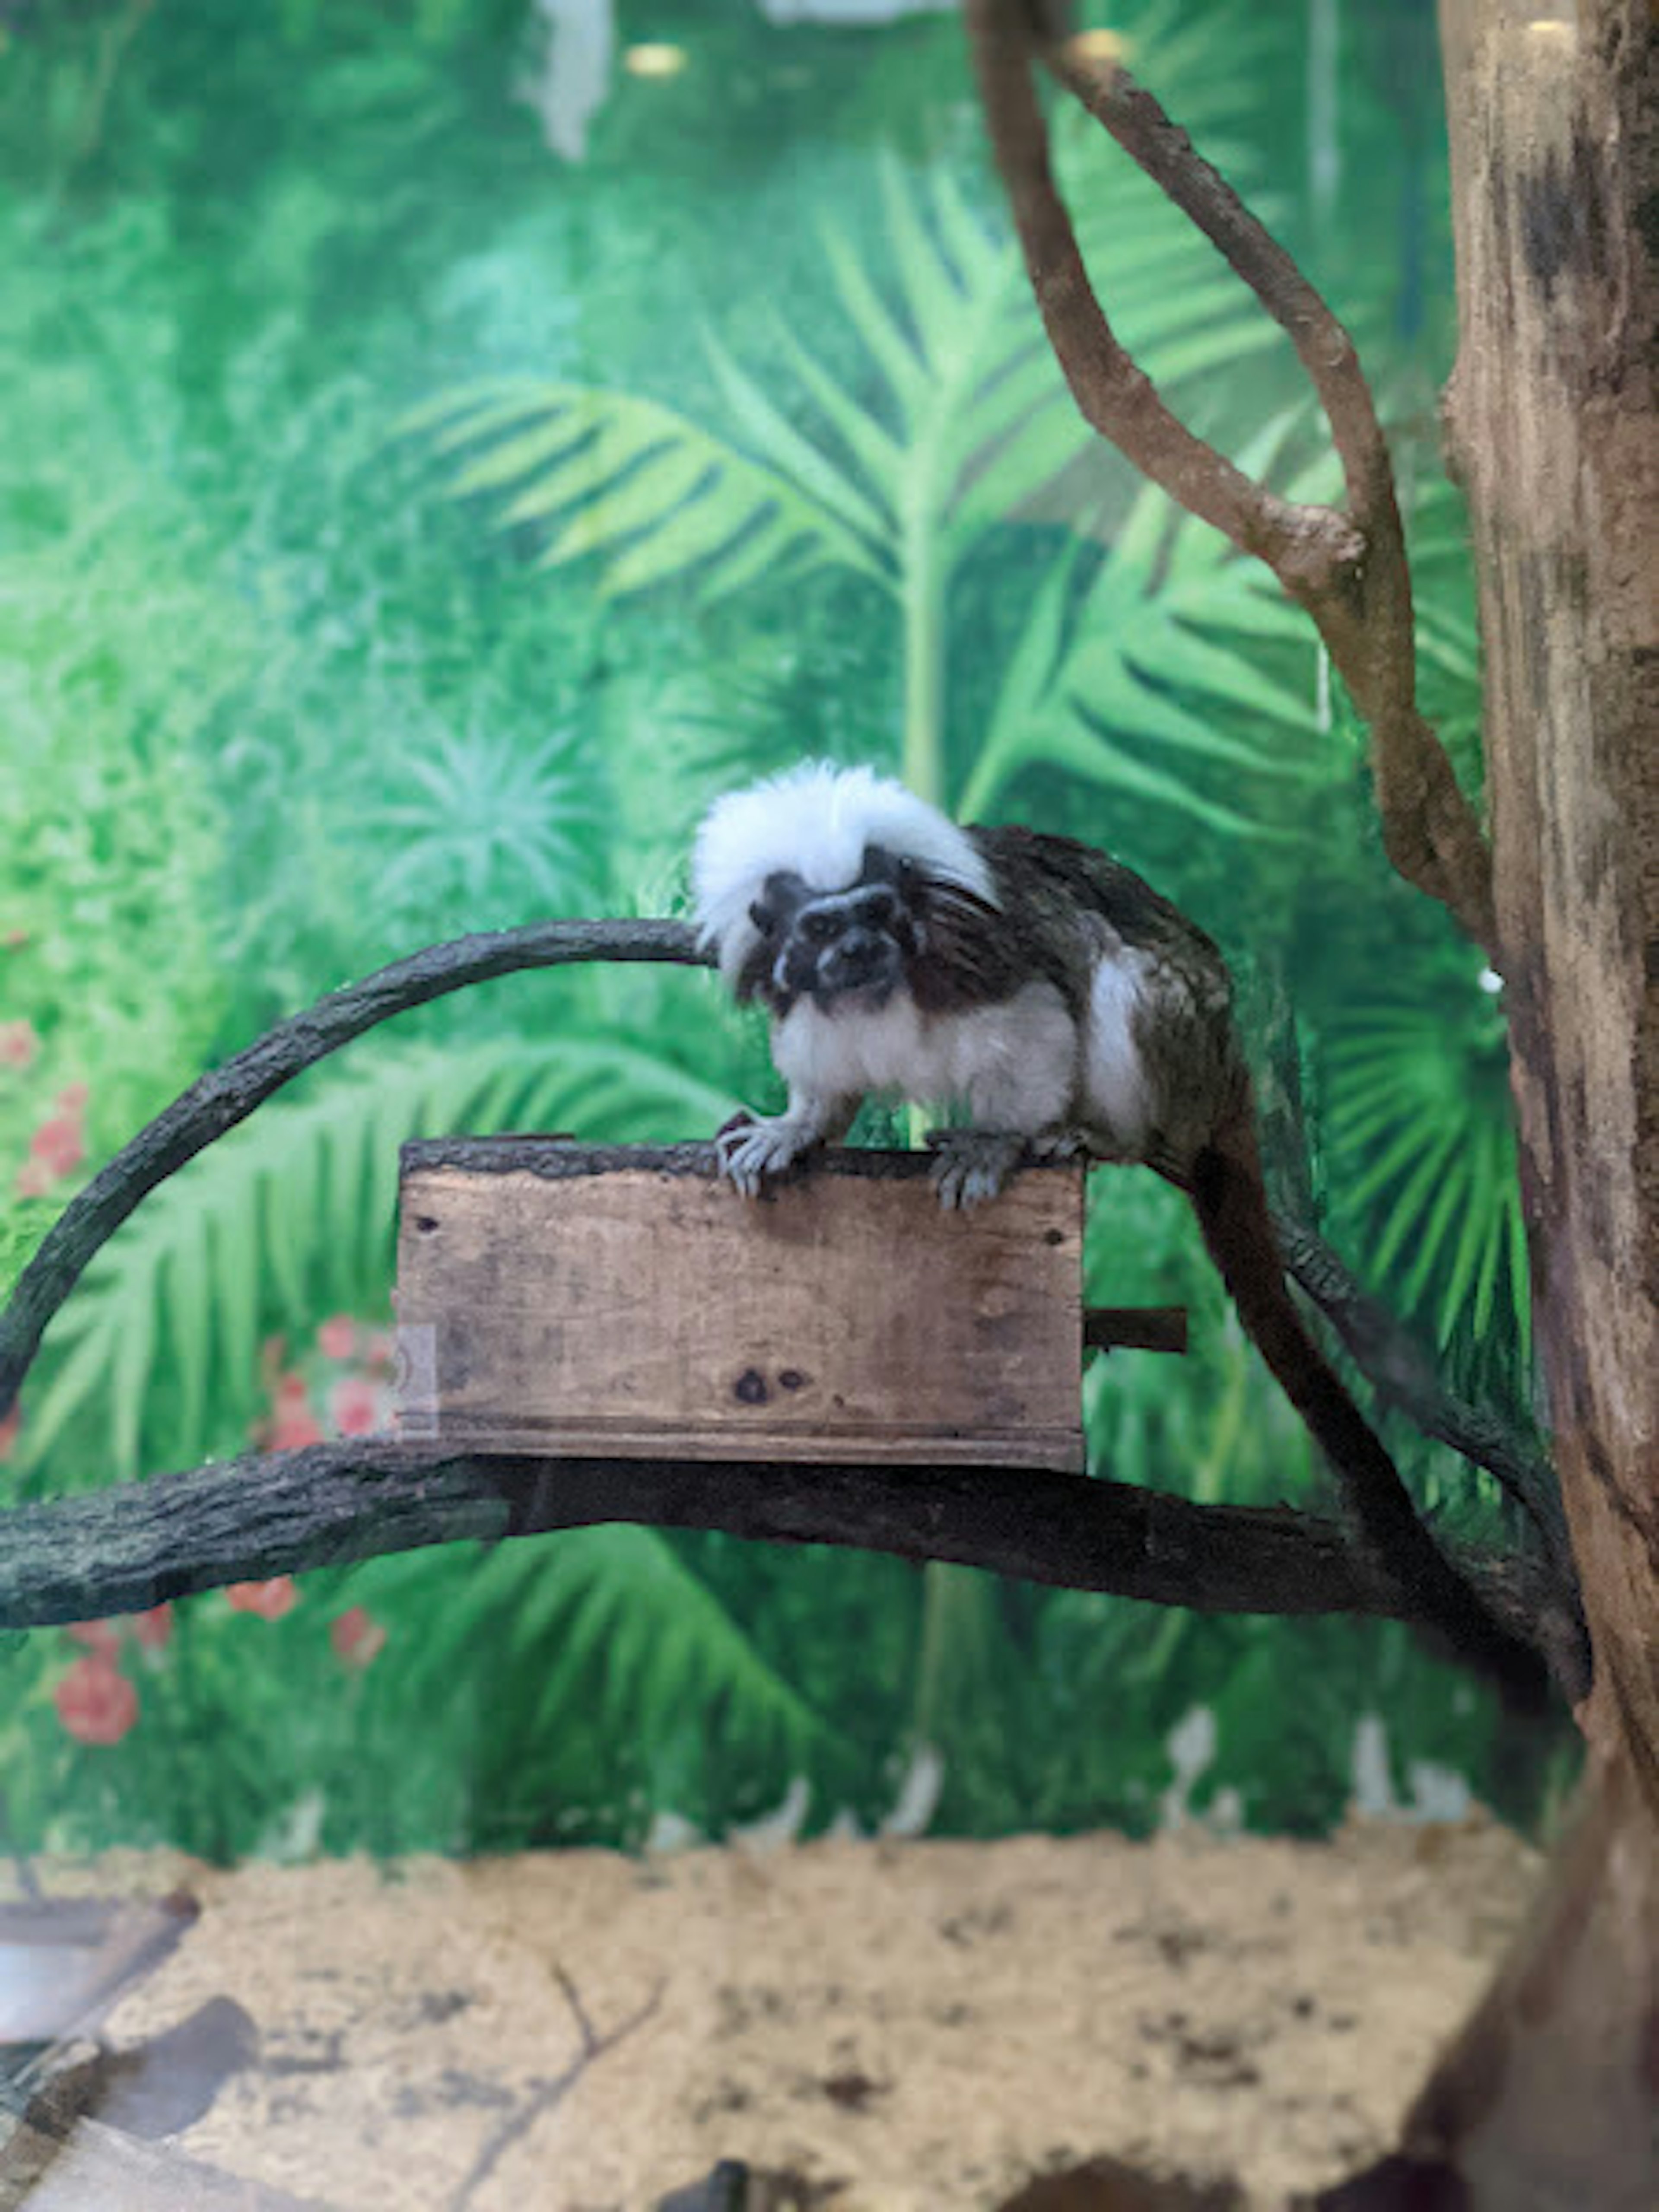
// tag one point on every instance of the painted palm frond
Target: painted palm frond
(613, 1622)
(1423, 1149)
(953, 413)
(939, 408)
(1448, 630)
(644, 490)
(291, 1215)
(1149, 679)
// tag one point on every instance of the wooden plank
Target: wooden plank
(558, 1299)
(1135, 1328)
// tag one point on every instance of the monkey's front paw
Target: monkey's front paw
(751, 1149)
(973, 1165)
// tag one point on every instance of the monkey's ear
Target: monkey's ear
(762, 917)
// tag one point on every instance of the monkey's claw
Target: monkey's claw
(752, 1149)
(973, 1165)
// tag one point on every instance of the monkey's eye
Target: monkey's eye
(763, 918)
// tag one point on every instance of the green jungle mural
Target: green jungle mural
(433, 471)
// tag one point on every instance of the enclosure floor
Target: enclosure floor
(923, 2025)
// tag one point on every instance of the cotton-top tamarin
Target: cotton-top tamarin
(1069, 1009)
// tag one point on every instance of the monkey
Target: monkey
(1073, 1011)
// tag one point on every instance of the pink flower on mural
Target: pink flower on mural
(358, 1638)
(8, 1429)
(380, 1353)
(56, 1148)
(293, 1430)
(18, 1043)
(98, 1637)
(355, 1406)
(338, 1339)
(72, 1099)
(271, 1601)
(154, 1629)
(95, 1702)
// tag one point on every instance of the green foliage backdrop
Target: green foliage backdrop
(405, 529)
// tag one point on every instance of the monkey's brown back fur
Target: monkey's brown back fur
(1073, 905)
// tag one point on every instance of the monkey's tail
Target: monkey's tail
(1230, 1200)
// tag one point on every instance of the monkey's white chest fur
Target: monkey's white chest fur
(1021, 1066)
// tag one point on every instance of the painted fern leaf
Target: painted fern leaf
(155, 1360)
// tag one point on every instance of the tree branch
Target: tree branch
(1350, 571)
(229, 1093)
(1144, 1534)
(268, 1514)
(1398, 1366)
(1112, 393)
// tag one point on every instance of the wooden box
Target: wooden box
(557, 1299)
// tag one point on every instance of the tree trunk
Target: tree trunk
(1548, 2099)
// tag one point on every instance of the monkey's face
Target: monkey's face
(847, 950)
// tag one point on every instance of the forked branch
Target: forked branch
(229, 1093)
(1347, 568)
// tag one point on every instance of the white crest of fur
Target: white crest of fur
(815, 822)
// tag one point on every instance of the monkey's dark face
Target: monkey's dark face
(847, 951)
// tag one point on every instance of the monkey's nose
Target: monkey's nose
(855, 957)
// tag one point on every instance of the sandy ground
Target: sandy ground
(906, 2024)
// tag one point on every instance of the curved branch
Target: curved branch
(229, 1093)
(218, 1101)
(1140, 125)
(1349, 571)
(1112, 393)
(267, 1514)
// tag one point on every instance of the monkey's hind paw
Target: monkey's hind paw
(752, 1150)
(1060, 1147)
(973, 1165)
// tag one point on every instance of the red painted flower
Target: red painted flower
(34, 1181)
(380, 1352)
(338, 1339)
(95, 1702)
(8, 1429)
(293, 1431)
(291, 1390)
(57, 1146)
(72, 1099)
(18, 1043)
(355, 1405)
(358, 1638)
(153, 1629)
(98, 1636)
(271, 1601)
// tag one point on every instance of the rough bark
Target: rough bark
(1549, 2099)
(275, 1513)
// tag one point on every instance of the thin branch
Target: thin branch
(1350, 571)
(229, 1093)
(1399, 1367)
(545, 2097)
(249, 1519)
(1111, 391)
(1137, 122)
